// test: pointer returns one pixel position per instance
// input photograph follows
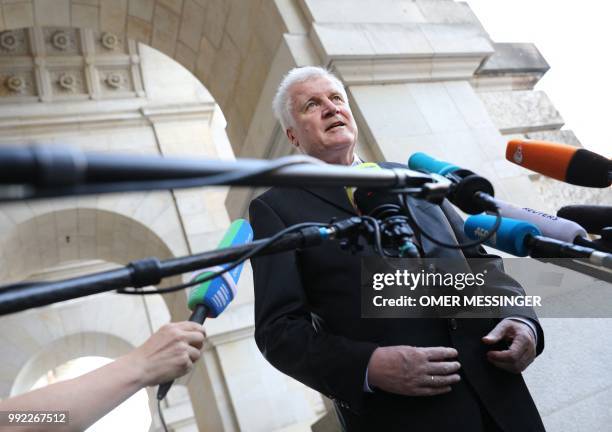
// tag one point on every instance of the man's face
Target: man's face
(323, 123)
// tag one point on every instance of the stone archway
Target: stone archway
(68, 347)
(76, 234)
(46, 337)
(239, 50)
(100, 340)
(229, 46)
(232, 68)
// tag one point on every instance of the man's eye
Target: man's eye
(337, 98)
(310, 105)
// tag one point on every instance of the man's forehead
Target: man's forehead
(313, 87)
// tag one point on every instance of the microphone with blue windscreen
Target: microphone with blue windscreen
(522, 238)
(510, 236)
(470, 192)
(211, 297)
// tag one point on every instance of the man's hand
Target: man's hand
(413, 371)
(169, 353)
(522, 350)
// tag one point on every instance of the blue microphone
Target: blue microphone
(522, 238)
(510, 236)
(423, 162)
(210, 298)
(470, 192)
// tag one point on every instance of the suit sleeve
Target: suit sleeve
(494, 266)
(331, 364)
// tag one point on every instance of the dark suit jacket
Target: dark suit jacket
(308, 325)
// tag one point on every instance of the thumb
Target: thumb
(495, 335)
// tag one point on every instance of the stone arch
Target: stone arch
(238, 50)
(36, 340)
(77, 318)
(228, 46)
(101, 340)
(77, 234)
(67, 348)
(86, 235)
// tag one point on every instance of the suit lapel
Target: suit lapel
(431, 218)
(335, 196)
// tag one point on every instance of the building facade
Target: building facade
(104, 75)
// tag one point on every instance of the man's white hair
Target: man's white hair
(282, 103)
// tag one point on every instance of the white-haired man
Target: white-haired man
(383, 374)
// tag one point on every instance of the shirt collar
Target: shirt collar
(356, 160)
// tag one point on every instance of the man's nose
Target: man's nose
(329, 108)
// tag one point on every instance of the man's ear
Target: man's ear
(292, 138)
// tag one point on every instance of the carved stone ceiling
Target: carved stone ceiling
(45, 64)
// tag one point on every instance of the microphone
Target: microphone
(549, 225)
(563, 162)
(510, 236)
(51, 171)
(388, 207)
(470, 192)
(210, 298)
(521, 238)
(592, 217)
(554, 226)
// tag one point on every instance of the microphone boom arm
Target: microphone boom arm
(150, 271)
(45, 172)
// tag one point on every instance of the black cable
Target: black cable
(141, 186)
(236, 263)
(377, 237)
(478, 242)
(161, 415)
(164, 290)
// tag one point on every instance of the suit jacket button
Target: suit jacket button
(452, 323)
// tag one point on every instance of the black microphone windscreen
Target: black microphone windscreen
(589, 169)
(592, 218)
(376, 201)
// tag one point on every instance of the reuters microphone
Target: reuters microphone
(549, 225)
(557, 227)
(562, 162)
(211, 297)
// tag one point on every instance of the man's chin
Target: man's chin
(339, 141)
(336, 152)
